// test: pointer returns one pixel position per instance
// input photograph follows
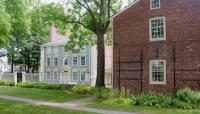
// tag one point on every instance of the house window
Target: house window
(82, 76)
(75, 76)
(55, 61)
(48, 49)
(66, 62)
(75, 61)
(83, 60)
(55, 75)
(48, 75)
(157, 29)
(157, 72)
(155, 4)
(48, 61)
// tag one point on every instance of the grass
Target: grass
(14, 107)
(39, 94)
(143, 110)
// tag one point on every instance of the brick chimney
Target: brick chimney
(52, 33)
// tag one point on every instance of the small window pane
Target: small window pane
(155, 4)
(75, 60)
(82, 76)
(157, 28)
(75, 76)
(157, 70)
(83, 60)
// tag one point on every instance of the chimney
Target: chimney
(52, 33)
(68, 34)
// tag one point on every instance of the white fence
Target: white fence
(26, 77)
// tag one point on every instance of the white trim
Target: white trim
(73, 76)
(80, 76)
(150, 72)
(48, 57)
(73, 60)
(133, 3)
(156, 7)
(150, 31)
(54, 61)
(81, 61)
(54, 75)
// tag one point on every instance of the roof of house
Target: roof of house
(130, 5)
(61, 40)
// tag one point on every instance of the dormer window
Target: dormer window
(155, 4)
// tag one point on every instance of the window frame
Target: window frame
(48, 77)
(150, 29)
(55, 62)
(54, 75)
(73, 60)
(81, 60)
(81, 76)
(151, 5)
(78, 76)
(150, 72)
(48, 65)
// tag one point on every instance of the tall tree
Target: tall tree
(93, 15)
(17, 9)
(5, 25)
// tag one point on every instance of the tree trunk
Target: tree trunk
(12, 65)
(100, 61)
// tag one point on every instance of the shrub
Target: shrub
(7, 83)
(42, 86)
(104, 93)
(154, 100)
(81, 89)
(184, 94)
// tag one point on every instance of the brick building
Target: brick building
(156, 46)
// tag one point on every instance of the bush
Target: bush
(42, 86)
(104, 93)
(7, 83)
(188, 95)
(154, 100)
(81, 89)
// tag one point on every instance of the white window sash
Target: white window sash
(150, 29)
(81, 61)
(151, 4)
(151, 72)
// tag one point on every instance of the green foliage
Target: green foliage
(108, 93)
(188, 95)
(42, 86)
(81, 89)
(104, 93)
(7, 83)
(154, 100)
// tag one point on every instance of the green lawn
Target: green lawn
(13, 107)
(39, 94)
(143, 110)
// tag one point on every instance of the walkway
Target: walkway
(73, 105)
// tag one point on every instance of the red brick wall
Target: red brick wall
(131, 28)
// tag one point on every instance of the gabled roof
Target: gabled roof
(130, 5)
(62, 40)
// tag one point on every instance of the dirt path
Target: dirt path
(73, 105)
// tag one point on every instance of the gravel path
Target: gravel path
(73, 105)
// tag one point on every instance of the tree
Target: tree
(17, 9)
(93, 15)
(5, 25)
